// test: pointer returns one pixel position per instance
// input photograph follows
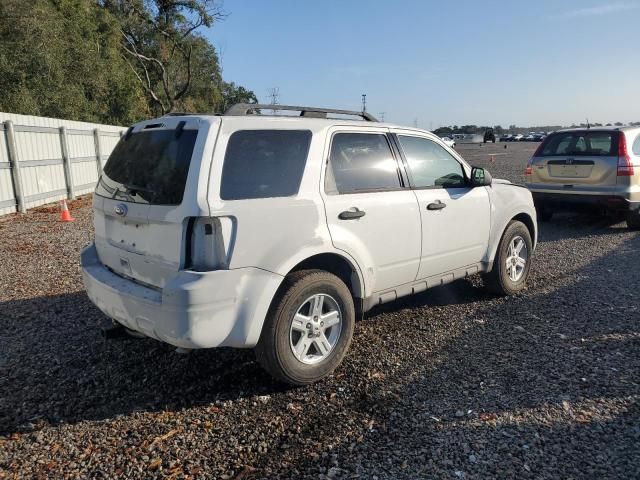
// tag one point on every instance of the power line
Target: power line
(274, 95)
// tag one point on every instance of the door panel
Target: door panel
(371, 215)
(455, 218)
(385, 241)
(456, 235)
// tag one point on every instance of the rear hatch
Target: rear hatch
(582, 157)
(146, 196)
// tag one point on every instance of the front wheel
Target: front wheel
(308, 328)
(512, 262)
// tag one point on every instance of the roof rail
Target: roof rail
(242, 109)
(180, 114)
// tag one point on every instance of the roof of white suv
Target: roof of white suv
(309, 116)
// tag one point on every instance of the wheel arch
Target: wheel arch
(340, 266)
(528, 222)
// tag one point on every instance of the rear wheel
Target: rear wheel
(308, 329)
(633, 220)
(512, 262)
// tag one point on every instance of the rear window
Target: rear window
(264, 163)
(581, 144)
(149, 167)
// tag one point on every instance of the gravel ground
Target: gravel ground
(453, 383)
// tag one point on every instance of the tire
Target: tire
(544, 214)
(275, 349)
(633, 220)
(498, 280)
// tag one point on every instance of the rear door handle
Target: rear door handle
(351, 214)
(437, 205)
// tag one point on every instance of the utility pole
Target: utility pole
(364, 102)
(415, 123)
(274, 95)
(382, 116)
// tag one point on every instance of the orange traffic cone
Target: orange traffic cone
(65, 216)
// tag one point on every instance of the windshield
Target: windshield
(149, 167)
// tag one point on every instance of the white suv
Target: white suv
(246, 230)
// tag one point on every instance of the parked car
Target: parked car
(529, 138)
(518, 137)
(489, 136)
(538, 137)
(246, 230)
(449, 142)
(506, 138)
(587, 168)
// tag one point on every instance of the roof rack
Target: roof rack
(180, 114)
(242, 109)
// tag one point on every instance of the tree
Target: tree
(160, 45)
(62, 59)
(232, 94)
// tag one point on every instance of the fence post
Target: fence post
(96, 142)
(15, 166)
(66, 161)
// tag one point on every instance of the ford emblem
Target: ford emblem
(120, 209)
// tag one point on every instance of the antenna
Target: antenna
(381, 116)
(588, 124)
(415, 123)
(364, 102)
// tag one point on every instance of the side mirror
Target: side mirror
(480, 177)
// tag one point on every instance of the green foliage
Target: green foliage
(62, 59)
(69, 59)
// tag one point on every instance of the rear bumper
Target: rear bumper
(194, 310)
(565, 201)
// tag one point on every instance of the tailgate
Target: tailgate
(148, 192)
(577, 158)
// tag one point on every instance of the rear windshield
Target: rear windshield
(264, 163)
(581, 144)
(149, 167)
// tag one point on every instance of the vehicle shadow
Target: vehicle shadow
(483, 389)
(55, 367)
(565, 225)
(542, 383)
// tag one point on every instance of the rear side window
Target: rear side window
(581, 144)
(264, 163)
(636, 146)
(149, 167)
(361, 162)
(430, 164)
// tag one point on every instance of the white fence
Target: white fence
(46, 159)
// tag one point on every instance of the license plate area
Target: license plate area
(129, 235)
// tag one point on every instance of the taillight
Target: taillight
(206, 247)
(528, 170)
(625, 167)
(537, 153)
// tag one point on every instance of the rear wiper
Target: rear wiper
(132, 189)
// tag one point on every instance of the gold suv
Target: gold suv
(594, 168)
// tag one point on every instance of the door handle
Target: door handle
(351, 214)
(437, 205)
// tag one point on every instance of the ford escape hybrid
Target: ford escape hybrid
(275, 232)
(596, 168)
